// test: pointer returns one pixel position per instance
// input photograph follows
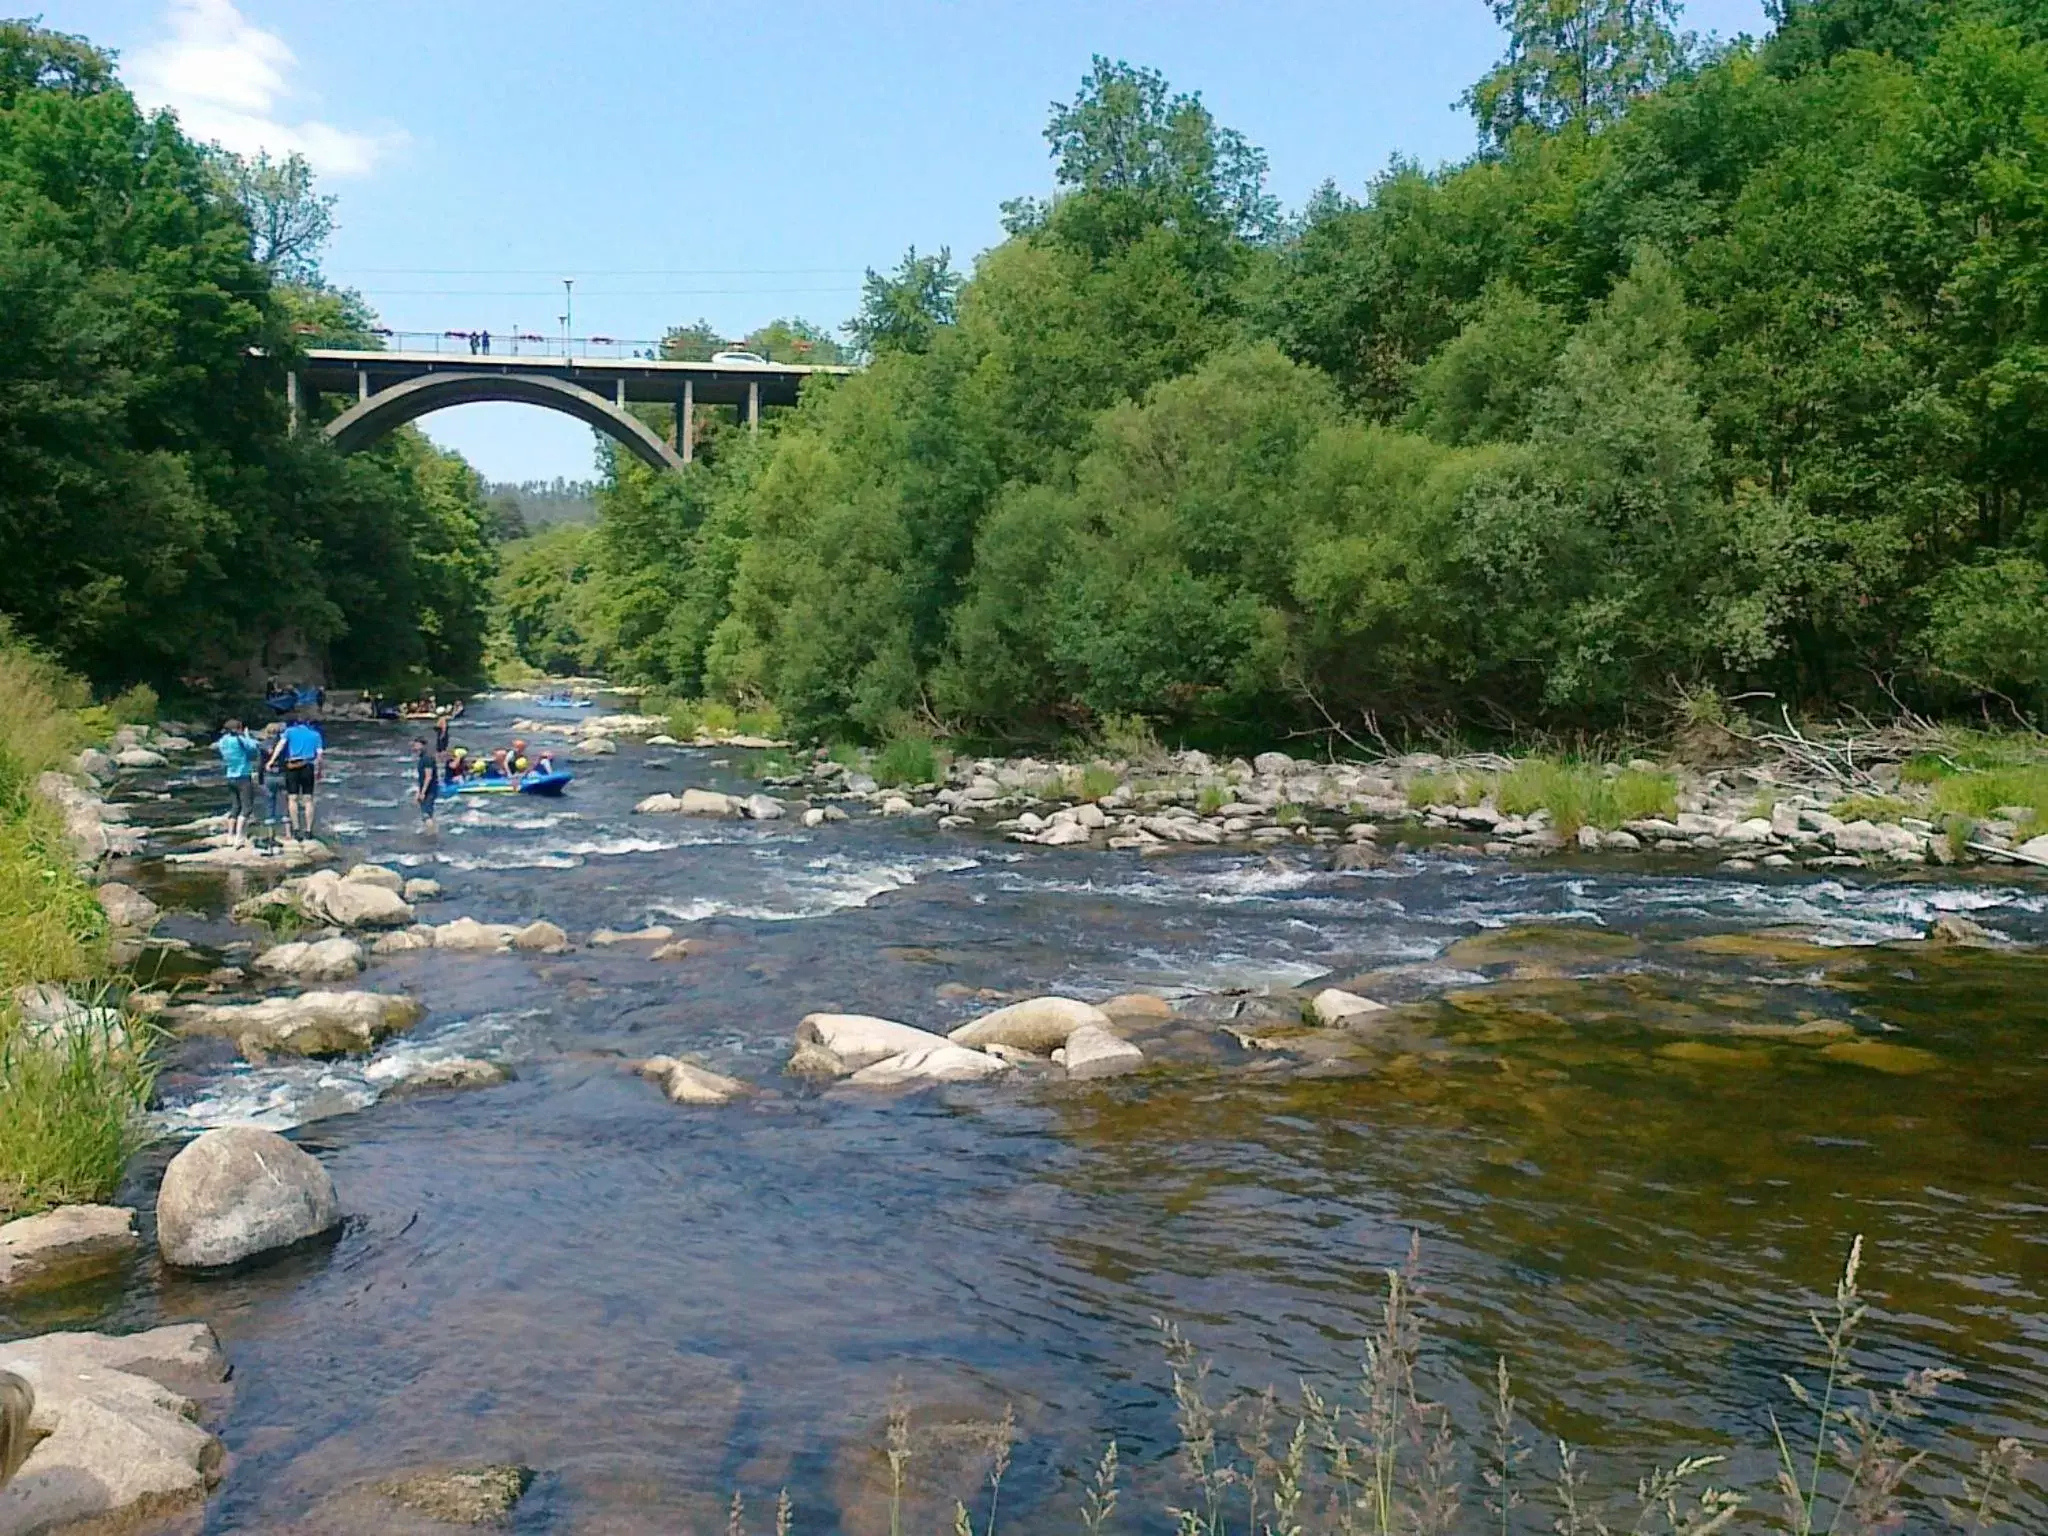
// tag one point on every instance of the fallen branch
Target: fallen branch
(2016, 855)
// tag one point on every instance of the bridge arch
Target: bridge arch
(371, 417)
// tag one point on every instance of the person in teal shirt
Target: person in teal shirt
(239, 754)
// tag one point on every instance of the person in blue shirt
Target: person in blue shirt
(299, 752)
(239, 752)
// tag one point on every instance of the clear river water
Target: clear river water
(1627, 1175)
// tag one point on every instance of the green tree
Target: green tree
(903, 311)
(1575, 61)
(289, 222)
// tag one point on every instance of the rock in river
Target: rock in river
(311, 1024)
(687, 1083)
(1040, 1025)
(1092, 1051)
(236, 1192)
(941, 1063)
(115, 1414)
(691, 802)
(70, 1243)
(328, 898)
(834, 1044)
(323, 960)
(125, 906)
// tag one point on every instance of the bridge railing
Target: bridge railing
(516, 344)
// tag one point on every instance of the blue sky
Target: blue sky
(743, 162)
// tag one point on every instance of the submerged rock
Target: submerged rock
(236, 1192)
(654, 933)
(941, 1063)
(460, 1495)
(687, 1083)
(1040, 1025)
(835, 1044)
(1954, 928)
(429, 1074)
(70, 1243)
(1092, 1051)
(293, 855)
(311, 1024)
(118, 1441)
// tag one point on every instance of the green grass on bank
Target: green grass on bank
(70, 1102)
(1575, 794)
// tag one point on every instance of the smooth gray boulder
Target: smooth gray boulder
(73, 1242)
(763, 808)
(329, 899)
(941, 1063)
(834, 1044)
(1094, 1052)
(1039, 1025)
(115, 1416)
(466, 933)
(237, 1192)
(377, 874)
(542, 936)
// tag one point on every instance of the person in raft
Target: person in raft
(426, 779)
(298, 752)
(239, 753)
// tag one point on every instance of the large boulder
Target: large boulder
(835, 1044)
(140, 757)
(237, 1192)
(329, 899)
(311, 1024)
(115, 1416)
(322, 960)
(763, 808)
(940, 1063)
(1039, 1025)
(125, 906)
(542, 936)
(1092, 1051)
(687, 1083)
(70, 1243)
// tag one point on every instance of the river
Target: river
(1619, 1181)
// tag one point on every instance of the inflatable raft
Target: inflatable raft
(535, 783)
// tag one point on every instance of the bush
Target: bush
(1097, 780)
(1427, 789)
(1871, 808)
(907, 760)
(1130, 739)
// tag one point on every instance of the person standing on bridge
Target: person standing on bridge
(487, 343)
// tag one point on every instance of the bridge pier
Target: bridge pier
(291, 403)
(753, 405)
(686, 421)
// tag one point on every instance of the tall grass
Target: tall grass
(907, 759)
(689, 719)
(1575, 794)
(69, 1101)
(1979, 794)
(73, 1109)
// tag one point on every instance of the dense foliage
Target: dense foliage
(1713, 369)
(157, 522)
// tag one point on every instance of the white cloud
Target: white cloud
(228, 80)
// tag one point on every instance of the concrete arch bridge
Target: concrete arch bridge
(393, 388)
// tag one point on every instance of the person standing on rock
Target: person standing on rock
(299, 752)
(272, 780)
(426, 779)
(239, 752)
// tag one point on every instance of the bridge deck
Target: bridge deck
(333, 370)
